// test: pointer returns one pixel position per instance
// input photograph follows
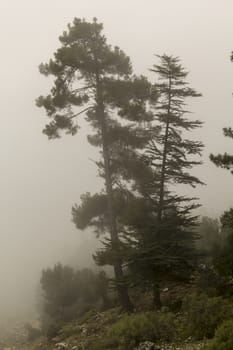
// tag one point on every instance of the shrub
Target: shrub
(32, 332)
(223, 339)
(205, 314)
(69, 330)
(52, 330)
(210, 281)
(130, 330)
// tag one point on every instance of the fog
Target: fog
(40, 180)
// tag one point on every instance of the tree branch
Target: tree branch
(84, 110)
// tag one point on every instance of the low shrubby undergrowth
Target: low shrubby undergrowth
(130, 330)
(204, 314)
(223, 339)
(197, 320)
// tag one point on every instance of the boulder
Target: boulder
(61, 346)
(148, 345)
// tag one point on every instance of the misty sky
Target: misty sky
(41, 179)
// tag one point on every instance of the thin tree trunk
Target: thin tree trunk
(118, 270)
(164, 159)
(156, 290)
(156, 297)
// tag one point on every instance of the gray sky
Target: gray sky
(41, 179)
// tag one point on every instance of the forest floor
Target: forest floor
(77, 335)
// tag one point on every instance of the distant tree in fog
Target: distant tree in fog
(224, 160)
(69, 293)
(209, 232)
(223, 254)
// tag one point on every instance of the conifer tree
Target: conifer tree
(222, 254)
(224, 161)
(94, 79)
(170, 152)
(164, 248)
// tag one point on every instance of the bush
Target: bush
(210, 281)
(205, 314)
(52, 331)
(32, 332)
(130, 330)
(223, 339)
(69, 330)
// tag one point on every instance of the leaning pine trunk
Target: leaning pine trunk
(119, 275)
(156, 297)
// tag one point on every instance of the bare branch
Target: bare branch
(83, 111)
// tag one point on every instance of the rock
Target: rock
(84, 330)
(61, 346)
(148, 345)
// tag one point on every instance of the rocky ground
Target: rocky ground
(76, 335)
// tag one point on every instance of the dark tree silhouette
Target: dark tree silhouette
(93, 78)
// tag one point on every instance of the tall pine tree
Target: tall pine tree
(164, 246)
(93, 78)
(171, 154)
